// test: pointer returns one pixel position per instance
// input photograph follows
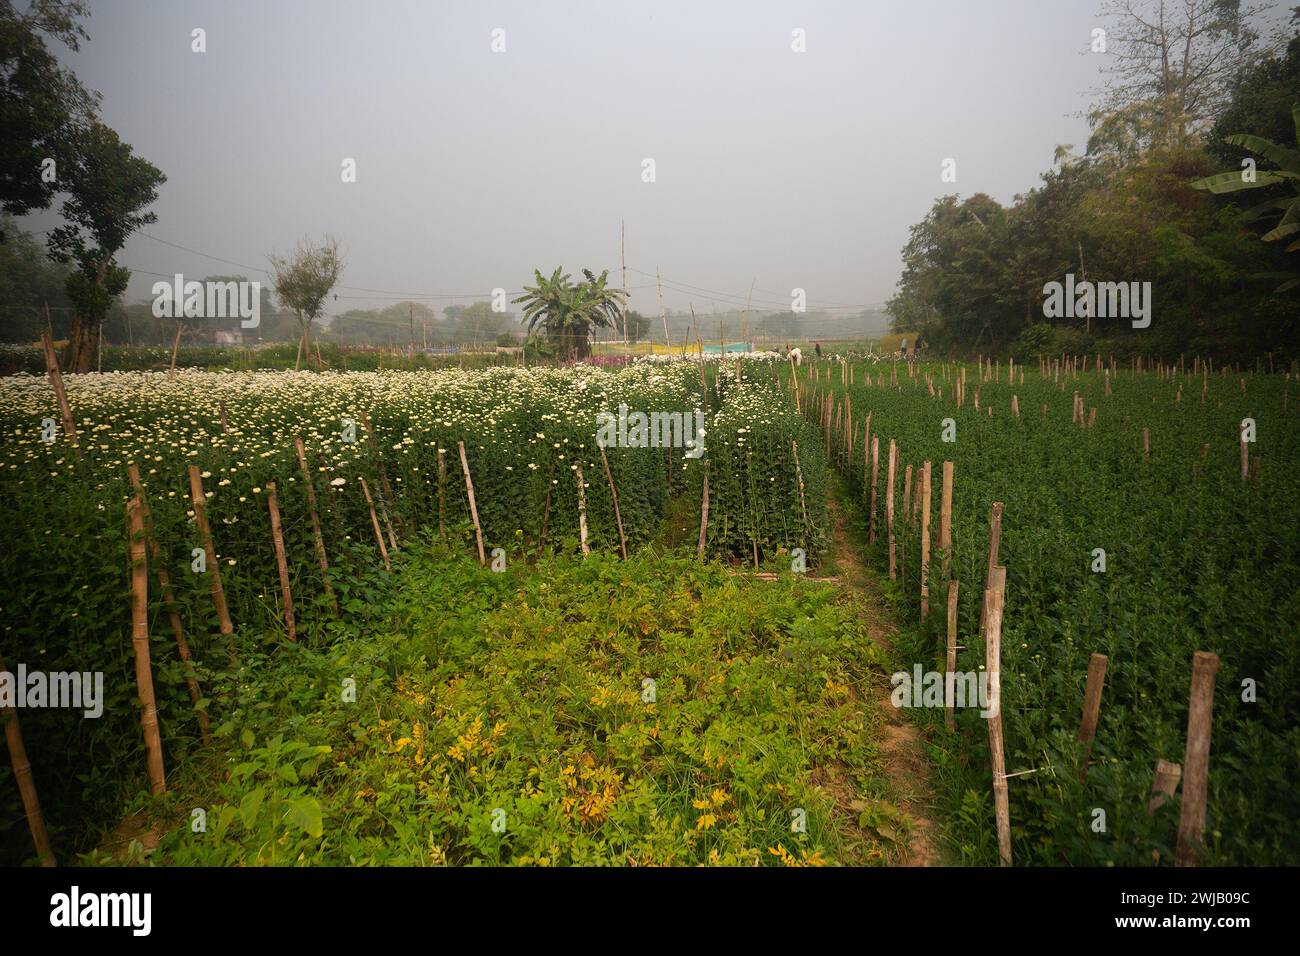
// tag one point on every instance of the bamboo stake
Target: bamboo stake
(321, 558)
(875, 471)
(281, 561)
(140, 643)
(945, 518)
(199, 501)
(704, 514)
(171, 369)
(993, 604)
(1091, 708)
(1245, 456)
(174, 618)
(951, 667)
(889, 507)
(618, 517)
(1163, 785)
(995, 539)
(374, 523)
(442, 496)
(56, 382)
(22, 769)
(1196, 761)
(582, 509)
(473, 505)
(803, 506)
(925, 539)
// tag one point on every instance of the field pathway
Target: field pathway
(903, 745)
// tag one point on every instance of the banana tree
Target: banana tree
(1287, 161)
(569, 311)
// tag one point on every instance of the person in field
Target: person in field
(795, 355)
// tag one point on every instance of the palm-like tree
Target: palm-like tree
(1288, 162)
(569, 311)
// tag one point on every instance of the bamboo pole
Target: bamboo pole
(889, 507)
(140, 644)
(618, 517)
(442, 495)
(925, 539)
(704, 514)
(993, 604)
(582, 509)
(1091, 708)
(173, 616)
(1163, 784)
(945, 518)
(1196, 761)
(22, 769)
(199, 502)
(798, 471)
(473, 505)
(56, 382)
(374, 523)
(281, 560)
(951, 661)
(995, 540)
(321, 558)
(176, 345)
(875, 471)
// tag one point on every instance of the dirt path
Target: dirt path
(903, 745)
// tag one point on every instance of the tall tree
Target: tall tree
(303, 280)
(107, 190)
(42, 105)
(569, 311)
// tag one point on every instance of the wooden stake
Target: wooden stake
(1163, 785)
(374, 523)
(925, 539)
(281, 561)
(1196, 761)
(993, 604)
(171, 369)
(995, 539)
(56, 382)
(140, 644)
(889, 507)
(582, 509)
(174, 618)
(945, 519)
(803, 506)
(951, 667)
(618, 517)
(473, 505)
(442, 496)
(199, 502)
(704, 514)
(1091, 707)
(22, 769)
(321, 558)
(875, 472)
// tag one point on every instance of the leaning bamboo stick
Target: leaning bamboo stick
(618, 517)
(1091, 708)
(22, 769)
(374, 523)
(281, 560)
(56, 382)
(993, 604)
(321, 558)
(140, 643)
(798, 471)
(1196, 761)
(199, 501)
(473, 505)
(173, 616)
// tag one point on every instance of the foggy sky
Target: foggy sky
(474, 167)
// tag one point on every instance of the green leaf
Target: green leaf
(1288, 159)
(305, 812)
(250, 806)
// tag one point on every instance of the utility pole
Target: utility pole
(622, 244)
(662, 313)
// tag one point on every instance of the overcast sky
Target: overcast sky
(780, 168)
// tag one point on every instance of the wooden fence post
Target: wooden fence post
(1091, 707)
(22, 769)
(995, 540)
(993, 603)
(1196, 761)
(945, 519)
(951, 665)
(473, 505)
(889, 507)
(140, 644)
(281, 560)
(199, 501)
(875, 471)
